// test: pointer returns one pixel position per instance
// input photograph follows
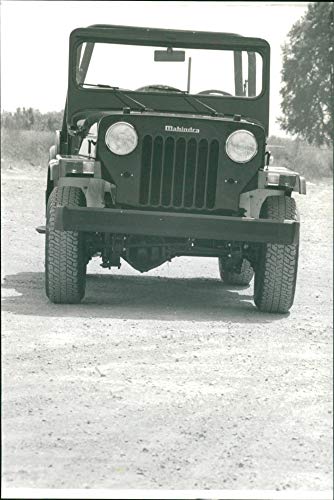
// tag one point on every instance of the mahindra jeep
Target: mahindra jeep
(162, 153)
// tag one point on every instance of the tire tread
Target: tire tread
(65, 265)
(275, 278)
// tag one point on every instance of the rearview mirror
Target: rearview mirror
(170, 55)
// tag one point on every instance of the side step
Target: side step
(40, 229)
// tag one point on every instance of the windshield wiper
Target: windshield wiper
(119, 93)
(214, 112)
(186, 95)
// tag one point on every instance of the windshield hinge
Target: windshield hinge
(73, 131)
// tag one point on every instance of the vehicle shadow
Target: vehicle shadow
(137, 297)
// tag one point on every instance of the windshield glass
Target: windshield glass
(149, 68)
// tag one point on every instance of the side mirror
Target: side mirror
(170, 55)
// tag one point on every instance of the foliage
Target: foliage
(308, 76)
(31, 119)
(312, 161)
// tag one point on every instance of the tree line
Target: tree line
(308, 76)
(31, 119)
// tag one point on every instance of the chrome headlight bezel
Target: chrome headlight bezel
(110, 136)
(252, 153)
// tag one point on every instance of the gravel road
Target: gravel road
(168, 379)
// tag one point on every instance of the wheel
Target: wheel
(213, 91)
(232, 278)
(65, 259)
(276, 270)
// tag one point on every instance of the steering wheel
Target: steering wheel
(158, 88)
(213, 91)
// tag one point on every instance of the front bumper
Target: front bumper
(176, 225)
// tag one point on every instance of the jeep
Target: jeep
(162, 153)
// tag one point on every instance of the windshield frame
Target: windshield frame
(82, 98)
(242, 79)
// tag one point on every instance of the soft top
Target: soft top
(112, 26)
(123, 34)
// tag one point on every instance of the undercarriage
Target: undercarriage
(147, 252)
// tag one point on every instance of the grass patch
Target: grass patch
(27, 146)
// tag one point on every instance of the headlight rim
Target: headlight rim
(121, 123)
(256, 144)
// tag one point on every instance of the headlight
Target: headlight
(121, 138)
(241, 146)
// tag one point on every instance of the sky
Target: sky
(34, 39)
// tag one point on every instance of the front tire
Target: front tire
(232, 278)
(276, 270)
(65, 258)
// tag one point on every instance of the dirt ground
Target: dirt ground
(168, 379)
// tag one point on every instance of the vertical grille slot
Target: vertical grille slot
(156, 171)
(178, 173)
(201, 173)
(190, 173)
(166, 188)
(211, 182)
(146, 160)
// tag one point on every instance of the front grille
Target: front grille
(178, 173)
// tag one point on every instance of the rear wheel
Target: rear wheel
(276, 270)
(233, 278)
(65, 256)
